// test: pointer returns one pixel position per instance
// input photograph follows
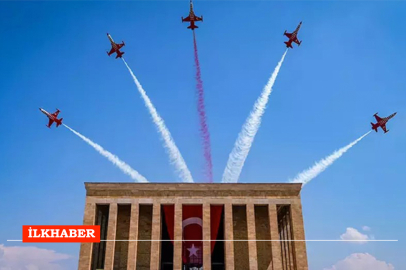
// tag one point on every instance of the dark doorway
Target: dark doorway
(144, 233)
(122, 233)
(285, 233)
(166, 244)
(217, 257)
(99, 249)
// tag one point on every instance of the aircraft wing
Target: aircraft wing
(377, 118)
(288, 35)
(383, 128)
(296, 41)
(198, 18)
(120, 45)
(50, 122)
(56, 113)
(187, 19)
(111, 51)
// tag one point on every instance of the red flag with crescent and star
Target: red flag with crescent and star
(192, 230)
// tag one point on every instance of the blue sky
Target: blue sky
(350, 65)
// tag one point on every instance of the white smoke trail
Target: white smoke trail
(249, 130)
(114, 159)
(307, 175)
(175, 156)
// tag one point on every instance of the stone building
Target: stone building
(194, 226)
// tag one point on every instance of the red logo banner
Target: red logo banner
(61, 234)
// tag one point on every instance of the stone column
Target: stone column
(177, 244)
(299, 247)
(111, 235)
(288, 229)
(229, 245)
(156, 235)
(276, 245)
(252, 236)
(85, 255)
(133, 237)
(206, 237)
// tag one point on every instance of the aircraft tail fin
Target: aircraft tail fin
(288, 44)
(374, 127)
(192, 27)
(59, 122)
(120, 54)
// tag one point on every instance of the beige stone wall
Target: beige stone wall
(241, 258)
(122, 233)
(206, 236)
(298, 233)
(144, 233)
(229, 235)
(86, 248)
(156, 235)
(250, 212)
(111, 235)
(264, 249)
(133, 237)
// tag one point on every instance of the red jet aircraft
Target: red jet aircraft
(381, 122)
(293, 37)
(52, 117)
(115, 48)
(192, 18)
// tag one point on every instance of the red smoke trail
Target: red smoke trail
(204, 130)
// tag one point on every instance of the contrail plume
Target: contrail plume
(175, 156)
(307, 175)
(204, 130)
(113, 158)
(246, 137)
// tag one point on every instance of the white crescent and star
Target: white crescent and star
(189, 221)
(192, 220)
(193, 250)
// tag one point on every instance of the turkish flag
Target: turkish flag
(192, 230)
(169, 211)
(215, 218)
